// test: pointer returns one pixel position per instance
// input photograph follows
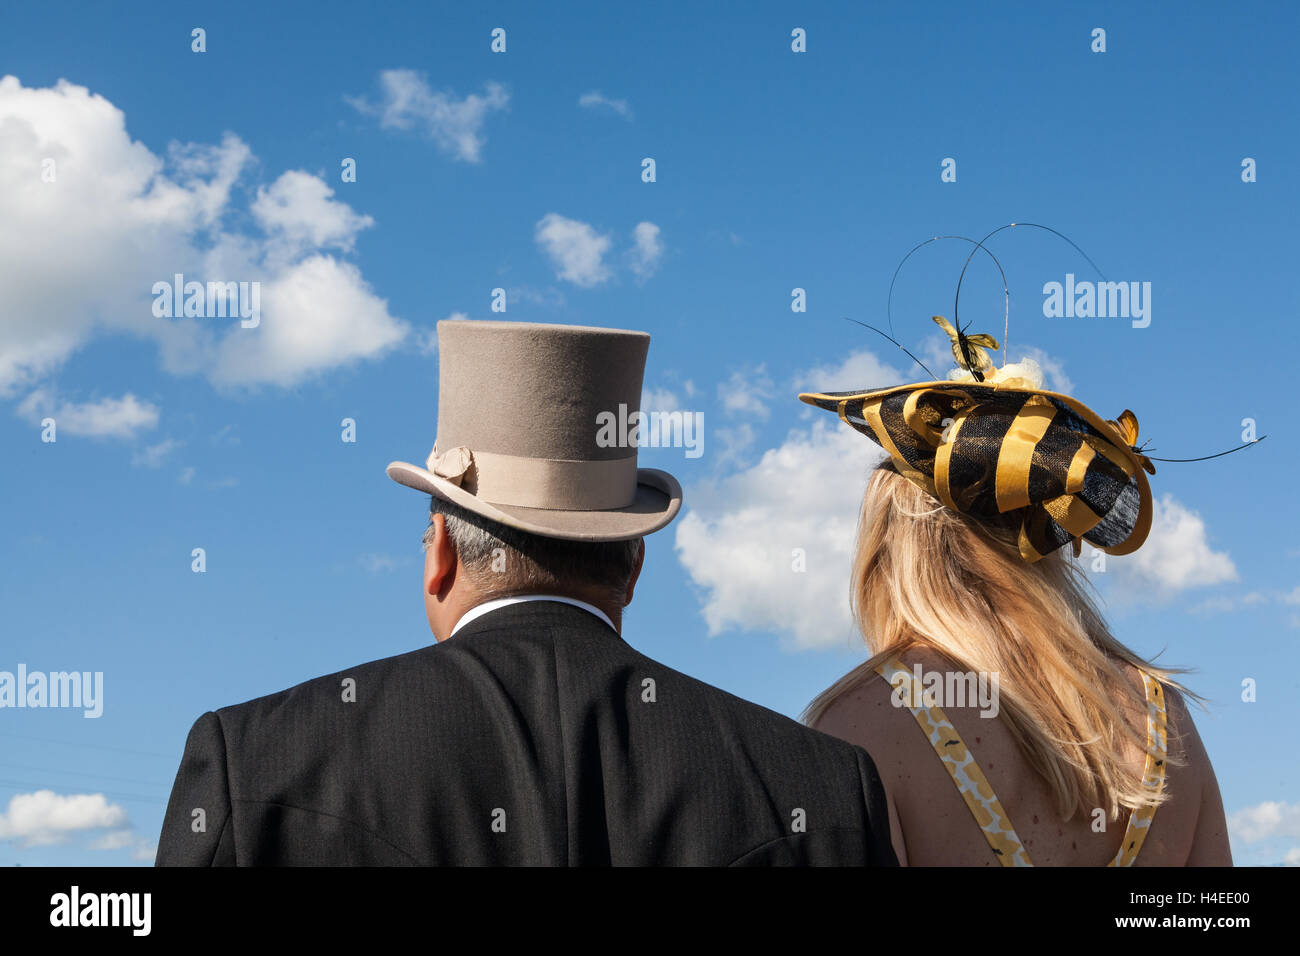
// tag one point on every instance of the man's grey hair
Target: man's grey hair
(503, 560)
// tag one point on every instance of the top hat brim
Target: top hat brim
(657, 502)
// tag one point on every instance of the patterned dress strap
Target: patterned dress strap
(959, 762)
(1153, 777)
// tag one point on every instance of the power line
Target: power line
(23, 784)
(81, 773)
(69, 743)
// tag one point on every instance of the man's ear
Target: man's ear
(636, 573)
(439, 559)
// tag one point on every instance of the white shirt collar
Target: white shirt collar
(481, 609)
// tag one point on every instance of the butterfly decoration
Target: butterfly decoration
(968, 350)
(1127, 426)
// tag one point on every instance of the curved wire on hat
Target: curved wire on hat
(1006, 290)
(1011, 225)
(889, 300)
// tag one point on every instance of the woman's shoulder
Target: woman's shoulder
(1182, 739)
(863, 714)
(856, 705)
(871, 713)
(1189, 828)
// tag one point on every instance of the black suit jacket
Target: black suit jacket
(535, 735)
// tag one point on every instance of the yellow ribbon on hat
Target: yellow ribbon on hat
(1014, 460)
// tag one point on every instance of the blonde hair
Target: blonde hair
(925, 576)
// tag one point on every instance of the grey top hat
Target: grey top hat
(519, 438)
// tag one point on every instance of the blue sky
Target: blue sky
(522, 170)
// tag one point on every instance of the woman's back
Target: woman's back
(933, 826)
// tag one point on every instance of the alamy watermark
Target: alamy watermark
(946, 689)
(651, 430)
(215, 300)
(84, 689)
(131, 911)
(1101, 300)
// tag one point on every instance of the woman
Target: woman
(1072, 756)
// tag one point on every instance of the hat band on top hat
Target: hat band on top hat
(552, 483)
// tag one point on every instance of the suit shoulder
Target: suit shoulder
(745, 719)
(328, 689)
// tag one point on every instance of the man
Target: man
(531, 733)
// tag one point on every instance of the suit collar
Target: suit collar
(553, 608)
(488, 606)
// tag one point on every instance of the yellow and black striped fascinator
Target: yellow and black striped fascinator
(996, 447)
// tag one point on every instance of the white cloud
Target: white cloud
(1220, 604)
(659, 400)
(1054, 377)
(1175, 557)
(575, 248)
(1265, 821)
(1292, 857)
(578, 250)
(858, 371)
(649, 250)
(44, 818)
(738, 536)
(187, 475)
(378, 563)
(735, 442)
(746, 393)
(549, 298)
(225, 435)
(1227, 602)
(114, 840)
(596, 100)
(140, 847)
(455, 125)
(300, 209)
(318, 315)
(935, 352)
(117, 218)
(152, 456)
(106, 418)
